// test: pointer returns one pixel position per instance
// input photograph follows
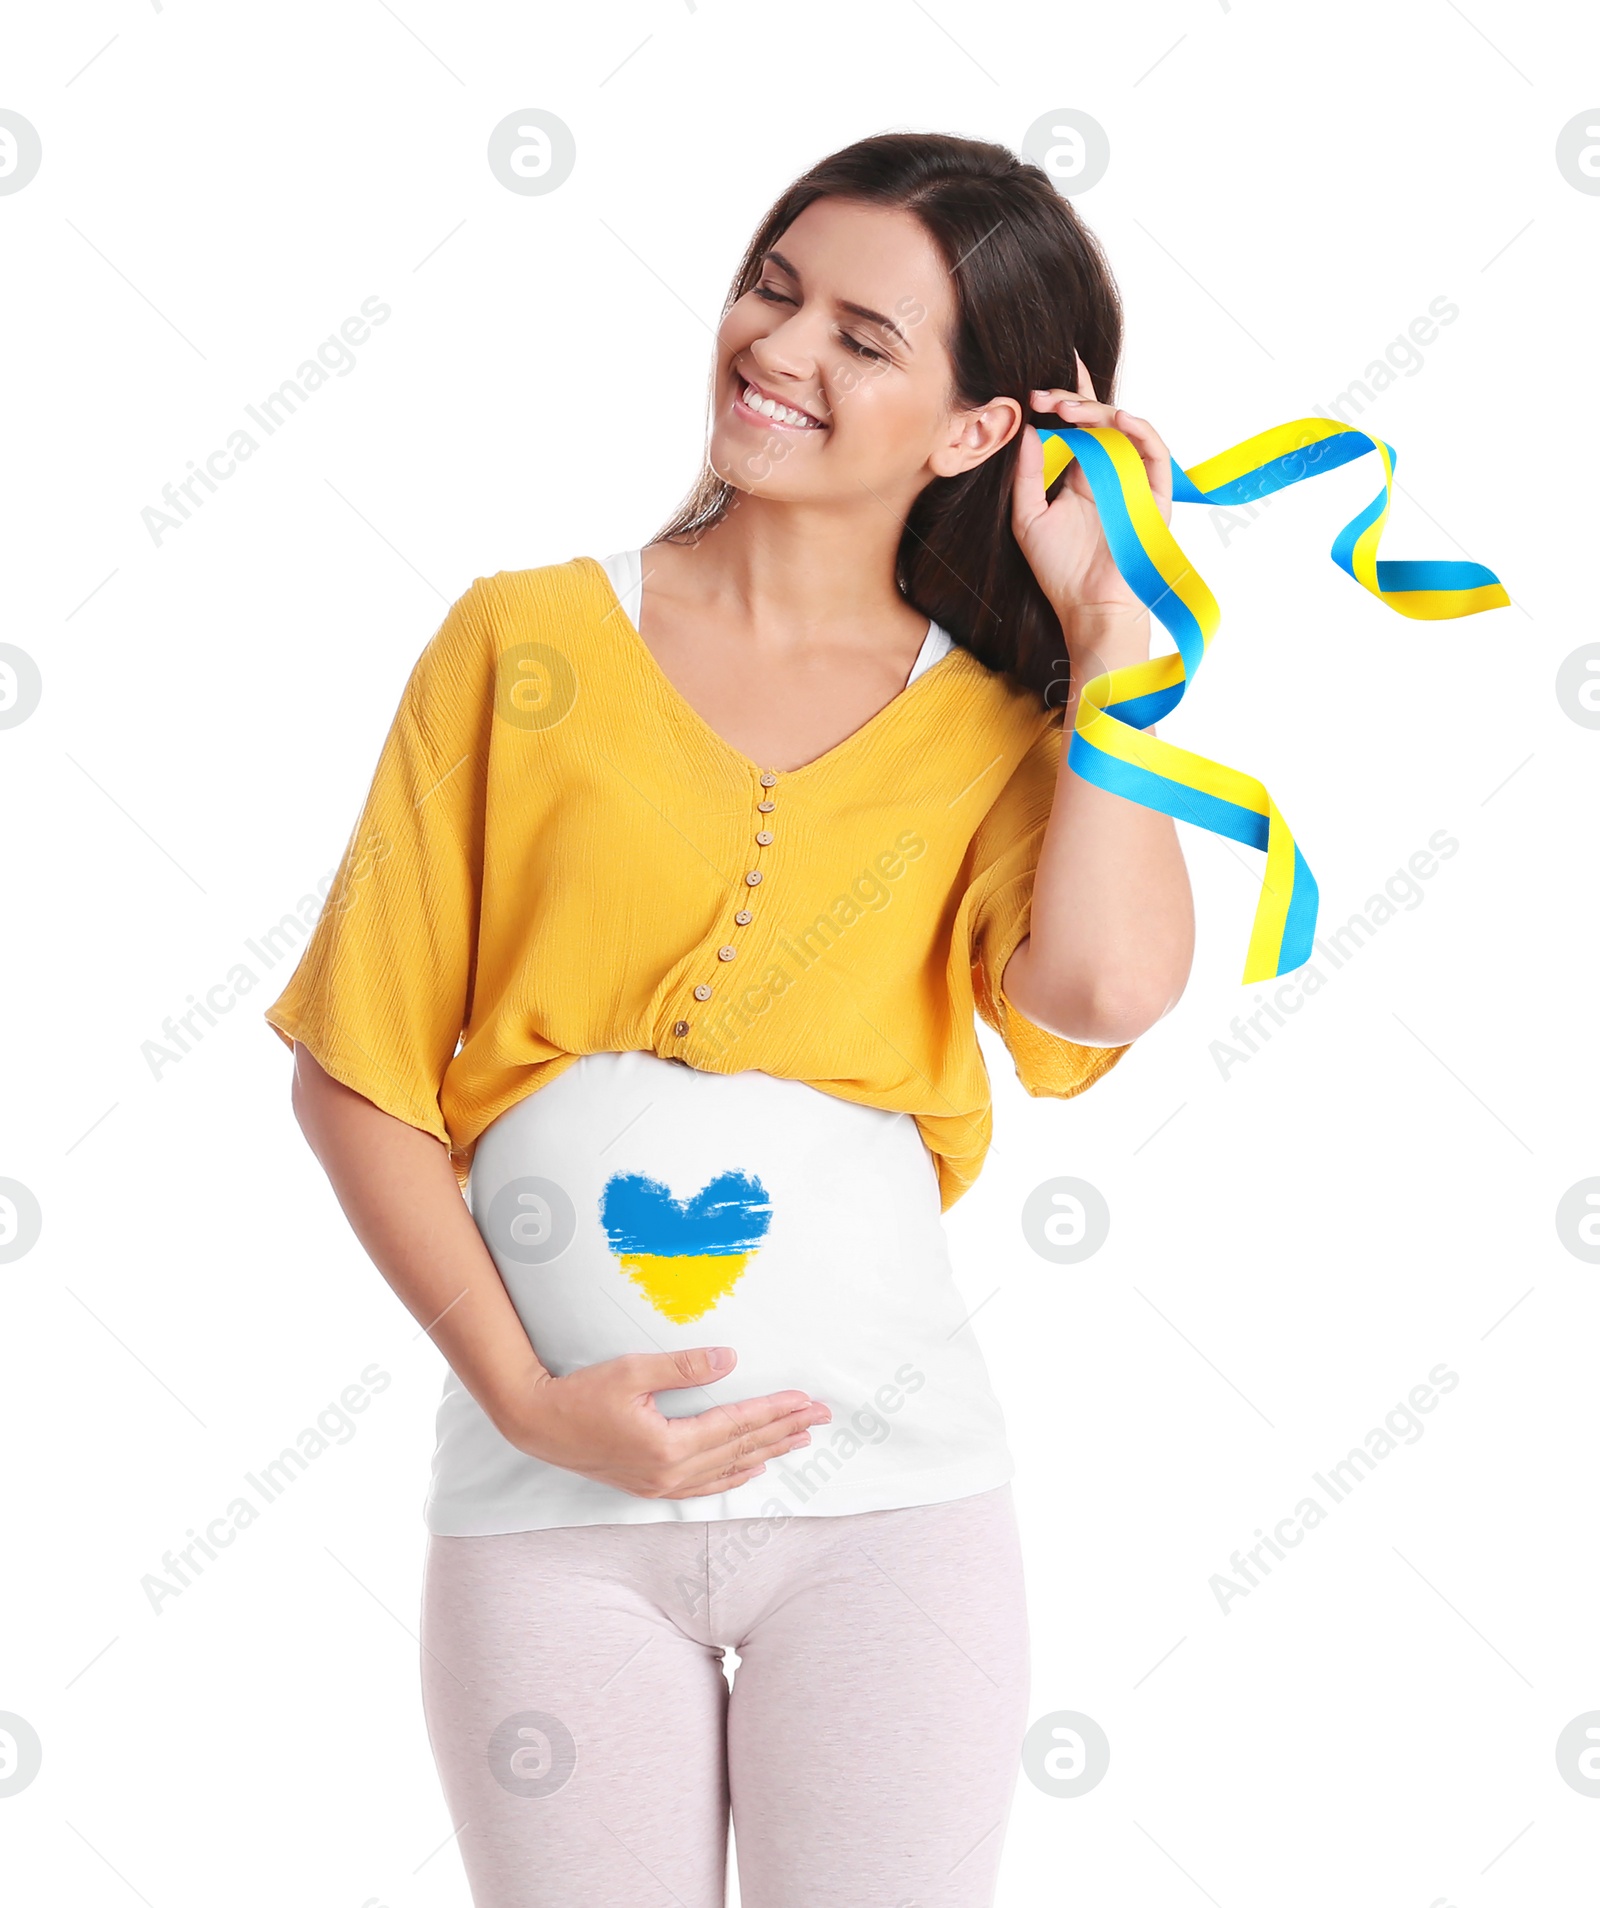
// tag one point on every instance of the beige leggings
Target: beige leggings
(590, 1748)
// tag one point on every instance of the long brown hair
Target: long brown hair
(1032, 287)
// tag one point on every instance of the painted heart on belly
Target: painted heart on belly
(685, 1254)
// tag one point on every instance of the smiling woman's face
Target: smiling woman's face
(844, 331)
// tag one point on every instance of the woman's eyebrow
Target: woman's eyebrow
(845, 304)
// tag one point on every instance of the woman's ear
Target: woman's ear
(976, 435)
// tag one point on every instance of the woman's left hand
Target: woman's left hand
(1063, 541)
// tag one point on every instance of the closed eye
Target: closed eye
(861, 350)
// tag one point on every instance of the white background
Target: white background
(1292, 1247)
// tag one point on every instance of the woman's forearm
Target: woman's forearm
(1111, 933)
(399, 1191)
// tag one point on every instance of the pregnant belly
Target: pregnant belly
(633, 1205)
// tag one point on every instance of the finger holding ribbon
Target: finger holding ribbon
(1103, 620)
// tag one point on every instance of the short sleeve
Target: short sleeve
(383, 987)
(1005, 853)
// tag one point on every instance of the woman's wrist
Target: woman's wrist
(514, 1407)
(1110, 626)
(1101, 637)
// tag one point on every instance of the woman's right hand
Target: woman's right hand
(603, 1422)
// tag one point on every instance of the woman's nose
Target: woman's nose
(783, 353)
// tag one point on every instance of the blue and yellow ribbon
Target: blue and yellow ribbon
(1108, 745)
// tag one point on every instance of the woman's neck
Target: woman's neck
(793, 574)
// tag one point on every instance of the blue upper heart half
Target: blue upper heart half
(729, 1214)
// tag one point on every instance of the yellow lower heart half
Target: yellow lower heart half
(685, 1286)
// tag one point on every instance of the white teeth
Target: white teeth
(770, 407)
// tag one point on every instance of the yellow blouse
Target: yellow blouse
(558, 856)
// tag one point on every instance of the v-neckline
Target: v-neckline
(680, 701)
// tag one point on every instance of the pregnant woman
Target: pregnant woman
(682, 878)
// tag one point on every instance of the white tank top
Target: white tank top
(636, 1204)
